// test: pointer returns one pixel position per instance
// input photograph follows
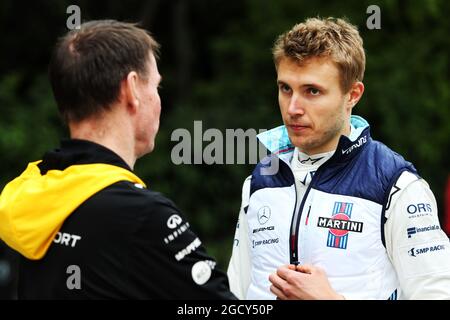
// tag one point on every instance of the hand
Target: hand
(302, 282)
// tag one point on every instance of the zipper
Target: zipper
(295, 223)
(292, 239)
(307, 216)
(297, 215)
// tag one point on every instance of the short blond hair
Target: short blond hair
(329, 37)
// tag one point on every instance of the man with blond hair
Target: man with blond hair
(343, 216)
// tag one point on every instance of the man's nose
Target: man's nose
(296, 106)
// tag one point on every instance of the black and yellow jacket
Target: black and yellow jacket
(81, 212)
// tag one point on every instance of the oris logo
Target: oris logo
(419, 208)
(174, 221)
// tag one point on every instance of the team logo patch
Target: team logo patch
(201, 272)
(263, 214)
(174, 221)
(414, 252)
(340, 225)
(414, 230)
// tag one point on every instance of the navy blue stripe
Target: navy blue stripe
(393, 295)
(387, 201)
(283, 178)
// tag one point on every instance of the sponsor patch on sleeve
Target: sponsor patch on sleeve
(425, 258)
(201, 272)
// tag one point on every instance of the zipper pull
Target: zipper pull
(307, 216)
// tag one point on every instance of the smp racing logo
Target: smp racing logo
(414, 252)
(340, 225)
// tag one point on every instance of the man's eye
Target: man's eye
(313, 91)
(285, 88)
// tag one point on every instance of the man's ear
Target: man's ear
(129, 91)
(355, 93)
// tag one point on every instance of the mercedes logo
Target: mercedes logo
(263, 215)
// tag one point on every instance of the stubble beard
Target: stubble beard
(309, 146)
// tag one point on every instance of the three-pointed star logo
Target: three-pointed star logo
(263, 215)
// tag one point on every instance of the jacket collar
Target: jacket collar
(277, 140)
(75, 151)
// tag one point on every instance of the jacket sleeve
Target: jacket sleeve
(239, 268)
(169, 261)
(416, 245)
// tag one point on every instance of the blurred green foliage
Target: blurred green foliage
(217, 67)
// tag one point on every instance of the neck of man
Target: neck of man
(110, 130)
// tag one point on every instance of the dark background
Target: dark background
(217, 67)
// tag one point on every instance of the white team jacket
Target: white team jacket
(367, 219)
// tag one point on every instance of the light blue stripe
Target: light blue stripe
(336, 208)
(358, 124)
(330, 239)
(349, 209)
(344, 241)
